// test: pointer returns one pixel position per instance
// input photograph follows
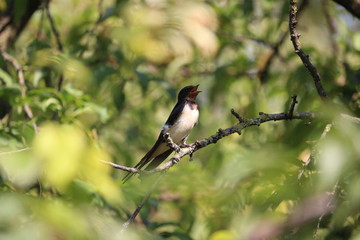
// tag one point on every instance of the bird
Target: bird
(182, 119)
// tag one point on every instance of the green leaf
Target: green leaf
(6, 78)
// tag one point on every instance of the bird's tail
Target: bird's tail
(158, 160)
(153, 164)
(140, 165)
(127, 177)
(130, 174)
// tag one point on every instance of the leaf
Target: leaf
(20, 169)
(61, 148)
(67, 156)
(6, 78)
(222, 235)
(51, 102)
(119, 97)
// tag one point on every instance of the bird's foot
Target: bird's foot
(191, 157)
(185, 145)
(192, 145)
(176, 148)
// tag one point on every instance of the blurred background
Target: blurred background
(90, 80)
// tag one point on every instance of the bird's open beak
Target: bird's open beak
(194, 91)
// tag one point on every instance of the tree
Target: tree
(88, 83)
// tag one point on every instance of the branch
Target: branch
(294, 36)
(13, 21)
(292, 106)
(330, 204)
(314, 150)
(41, 22)
(237, 115)
(264, 69)
(21, 79)
(350, 118)
(351, 5)
(220, 134)
(121, 167)
(141, 205)
(92, 30)
(15, 151)
(53, 27)
(331, 24)
(57, 38)
(241, 38)
(136, 212)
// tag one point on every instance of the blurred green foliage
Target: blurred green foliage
(121, 66)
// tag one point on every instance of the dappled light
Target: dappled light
(183, 120)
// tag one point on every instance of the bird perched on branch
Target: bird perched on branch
(182, 119)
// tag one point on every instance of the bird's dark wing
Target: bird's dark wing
(175, 113)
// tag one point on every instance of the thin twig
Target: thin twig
(92, 30)
(326, 131)
(53, 27)
(14, 151)
(352, 6)
(22, 84)
(241, 38)
(350, 118)
(141, 205)
(8, 23)
(136, 212)
(264, 70)
(237, 115)
(331, 24)
(275, 49)
(329, 205)
(57, 38)
(124, 168)
(292, 106)
(294, 36)
(41, 22)
(313, 151)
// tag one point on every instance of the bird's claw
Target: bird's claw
(192, 145)
(175, 160)
(191, 157)
(177, 148)
(187, 145)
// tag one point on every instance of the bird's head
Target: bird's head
(189, 93)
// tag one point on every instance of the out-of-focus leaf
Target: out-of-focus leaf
(119, 97)
(53, 102)
(61, 148)
(176, 235)
(356, 41)
(6, 78)
(60, 218)
(222, 235)
(20, 169)
(67, 155)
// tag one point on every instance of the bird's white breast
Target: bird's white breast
(183, 124)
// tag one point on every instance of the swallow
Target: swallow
(181, 121)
